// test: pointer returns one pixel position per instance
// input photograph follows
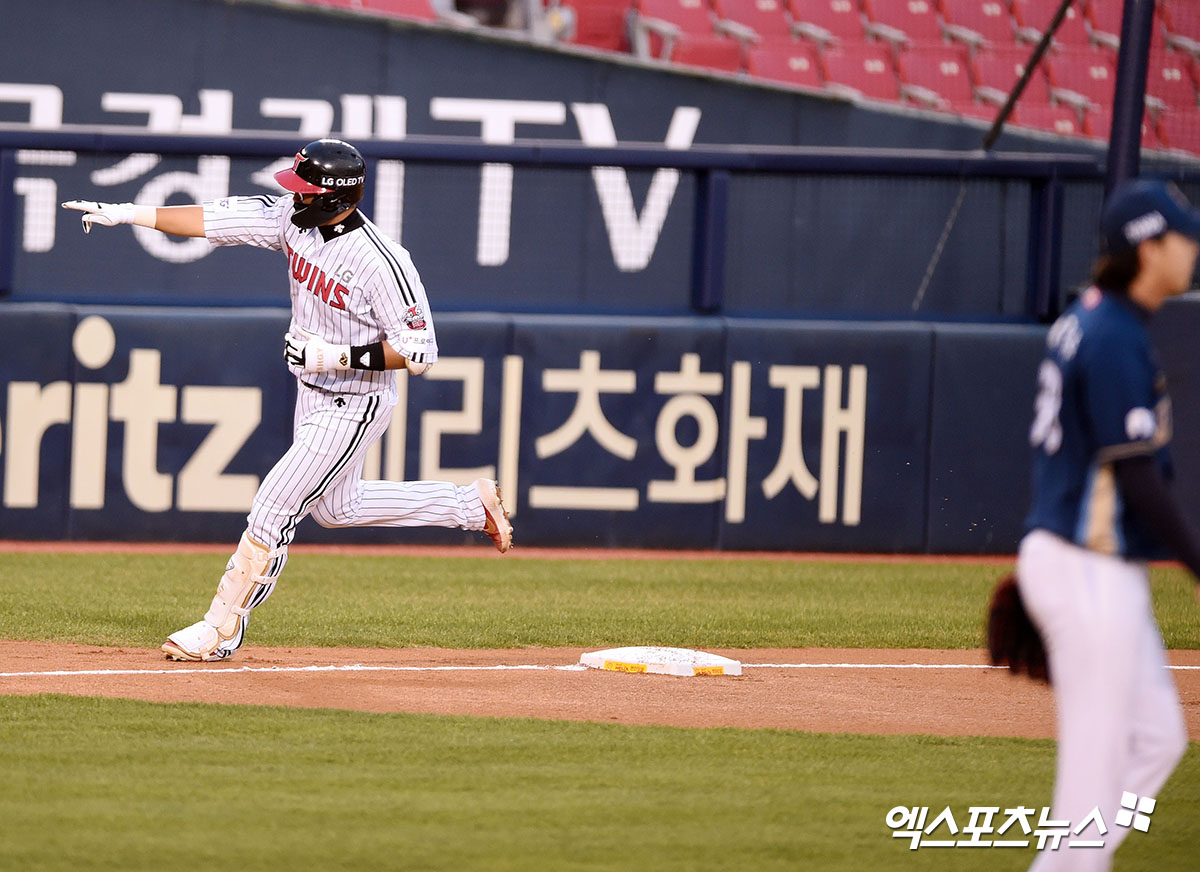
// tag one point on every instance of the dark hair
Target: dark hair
(1116, 272)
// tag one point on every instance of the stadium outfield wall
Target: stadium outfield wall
(586, 239)
(142, 391)
(139, 423)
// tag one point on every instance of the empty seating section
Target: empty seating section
(1082, 76)
(1034, 16)
(978, 22)
(957, 56)
(1104, 18)
(903, 22)
(421, 10)
(1180, 130)
(936, 75)
(795, 64)
(1054, 119)
(600, 23)
(998, 69)
(1182, 18)
(828, 22)
(1097, 124)
(685, 32)
(1170, 77)
(863, 68)
(765, 20)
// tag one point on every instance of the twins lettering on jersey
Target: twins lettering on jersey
(329, 290)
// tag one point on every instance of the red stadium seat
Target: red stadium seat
(766, 19)
(685, 32)
(1158, 34)
(982, 111)
(1055, 119)
(1170, 77)
(1098, 125)
(903, 21)
(795, 64)
(865, 68)
(1182, 20)
(689, 16)
(601, 23)
(710, 52)
(1034, 16)
(1083, 75)
(1180, 130)
(420, 10)
(998, 69)
(935, 70)
(1105, 17)
(827, 21)
(979, 22)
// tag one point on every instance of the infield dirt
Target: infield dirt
(931, 701)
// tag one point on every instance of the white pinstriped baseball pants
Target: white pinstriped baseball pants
(1120, 722)
(321, 475)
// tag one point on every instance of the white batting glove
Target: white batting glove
(314, 354)
(111, 214)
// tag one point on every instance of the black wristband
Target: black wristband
(367, 356)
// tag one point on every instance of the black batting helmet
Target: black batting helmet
(332, 170)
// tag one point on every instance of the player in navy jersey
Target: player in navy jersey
(1101, 509)
(359, 312)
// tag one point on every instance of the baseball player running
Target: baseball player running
(1101, 508)
(358, 311)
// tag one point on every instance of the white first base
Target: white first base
(661, 661)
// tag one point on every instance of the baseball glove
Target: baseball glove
(1012, 639)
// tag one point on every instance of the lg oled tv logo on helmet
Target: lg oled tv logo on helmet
(331, 182)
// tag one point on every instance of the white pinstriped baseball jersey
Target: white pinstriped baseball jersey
(349, 283)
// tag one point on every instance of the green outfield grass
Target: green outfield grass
(95, 784)
(113, 784)
(481, 603)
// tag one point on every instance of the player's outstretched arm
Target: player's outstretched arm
(178, 220)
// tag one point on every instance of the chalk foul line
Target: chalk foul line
(575, 667)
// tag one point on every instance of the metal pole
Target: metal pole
(1129, 96)
(709, 234)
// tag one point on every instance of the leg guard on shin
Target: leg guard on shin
(242, 587)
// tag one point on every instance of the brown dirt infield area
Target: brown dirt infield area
(937, 701)
(792, 688)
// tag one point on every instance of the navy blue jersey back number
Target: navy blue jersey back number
(1046, 431)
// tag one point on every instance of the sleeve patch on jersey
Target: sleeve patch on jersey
(1065, 336)
(1139, 424)
(414, 318)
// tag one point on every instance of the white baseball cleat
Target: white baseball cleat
(497, 525)
(200, 641)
